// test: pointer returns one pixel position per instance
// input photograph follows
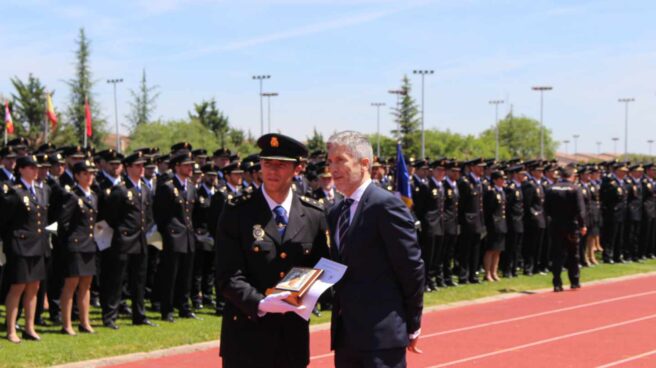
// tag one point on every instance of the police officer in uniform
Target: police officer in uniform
(260, 237)
(613, 201)
(451, 225)
(534, 217)
(649, 212)
(174, 203)
(515, 216)
(472, 221)
(564, 203)
(634, 194)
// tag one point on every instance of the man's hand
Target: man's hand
(274, 303)
(412, 346)
(584, 231)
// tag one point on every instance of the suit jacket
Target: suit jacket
(172, 211)
(634, 199)
(613, 199)
(648, 198)
(77, 220)
(128, 211)
(23, 220)
(379, 301)
(251, 257)
(205, 230)
(514, 208)
(566, 206)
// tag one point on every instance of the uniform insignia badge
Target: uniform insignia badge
(26, 200)
(5, 188)
(129, 195)
(274, 142)
(80, 202)
(258, 232)
(498, 196)
(67, 188)
(649, 185)
(434, 192)
(201, 200)
(517, 194)
(175, 192)
(449, 192)
(108, 191)
(619, 190)
(585, 191)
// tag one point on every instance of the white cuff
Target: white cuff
(415, 335)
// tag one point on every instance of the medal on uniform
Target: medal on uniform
(80, 202)
(517, 194)
(175, 192)
(498, 196)
(26, 200)
(129, 196)
(434, 192)
(201, 200)
(619, 190)
(258, 232)
(449, 192)
(108, 191)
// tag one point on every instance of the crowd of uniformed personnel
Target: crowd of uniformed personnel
(163, 208)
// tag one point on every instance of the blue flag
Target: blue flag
(402, 178)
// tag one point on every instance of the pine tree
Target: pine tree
(316, 142)
(143, 103)
(406, 115)
(212, 118)
(81, 87)
(28, 108)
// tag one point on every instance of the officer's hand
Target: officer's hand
(584, 230)
(274, 303)
(412, 346)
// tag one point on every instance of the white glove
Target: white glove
(274, 303)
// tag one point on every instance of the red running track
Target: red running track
(605, 325)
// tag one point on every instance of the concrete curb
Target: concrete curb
(185, 349)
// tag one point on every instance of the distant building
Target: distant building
(110, 141)
(566, 158)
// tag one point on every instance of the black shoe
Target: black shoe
(145, 322)
(111, 325)
(427, 289)
(558, 289)
(123, 309)
(316, 311)
(27, 336)
(474, 281)
(576, 286)
(85, 330)
(218, 312)
(95, 302)
(462, 281)
(39, 321)
(451, 283)
(168, 318)
(190, 315)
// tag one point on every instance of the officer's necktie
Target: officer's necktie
(281, 219)
(343, 221)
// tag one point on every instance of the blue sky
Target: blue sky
(329, 60)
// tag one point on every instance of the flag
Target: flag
(50, 111)
(87, 115)
(402, 178)
(9, 124)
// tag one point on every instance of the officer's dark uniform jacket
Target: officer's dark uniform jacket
(173, 215)
(566, 207)
(433, 215)
(201, 219)
(594, 214)
(471, 204)
(495, 211)
(451, 208)
(648, 198)
(514, 207)
(77, 221)
(633, 198)
(534, 204)
(613, 199)
(23, 220)
(252, 257)
(127, 211)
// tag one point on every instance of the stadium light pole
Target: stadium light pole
(615, 139)
(118, 138)
(268, 95)
(650, 141)
(542, 89)
(496, 124)
(423, 74)
(566, 141)
(576, 144)
(260, 78)
(398, 93)
(377, 105)
(626, 102)
(598, 147)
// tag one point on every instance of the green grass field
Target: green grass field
(57, 349)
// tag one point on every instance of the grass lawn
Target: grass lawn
(57, 349)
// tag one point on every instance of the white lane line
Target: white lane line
(520, 318)
(629, 359)
(545, 341)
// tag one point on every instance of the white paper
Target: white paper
(332, 273)
(154, 238)
(103, 233)
(52, 228)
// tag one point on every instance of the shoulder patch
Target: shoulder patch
(313, 203)
(238, 200)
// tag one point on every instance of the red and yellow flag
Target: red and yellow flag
(9, 124)
(50, 110)
(87, 115)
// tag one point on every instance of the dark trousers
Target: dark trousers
(531, 248)
(468, 255)
(544, 255)
(612, 237)
(43, 288)
(151, 273)
(631, 240)
(55, 283)
(388, 358)
(647, 237)
(111, 284)
(203, 281)
(510, 256)
(427, 243)
(95, 282)
(174, 276)
(449, 250)
(565, 251)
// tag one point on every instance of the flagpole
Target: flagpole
(84, 132)
(5, 104)
(45, 117)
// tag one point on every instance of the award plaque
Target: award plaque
(297, 281)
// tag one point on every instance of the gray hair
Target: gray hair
(356, 143)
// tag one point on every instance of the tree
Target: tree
(520, 137)
(316, 142)
(236, 136)
(143, 103)
(211, 118)
(406, 117)
(81, 88)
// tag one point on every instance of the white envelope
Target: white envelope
(103, 233)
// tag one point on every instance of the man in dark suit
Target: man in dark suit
(260, 237)
(378, 303)
(534, 218)
(472, 221)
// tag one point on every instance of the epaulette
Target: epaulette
(223, 189)
(67, 188)
(248, 189)
(312, 202)
(465, 179)
(5, 188)
(233, 200)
